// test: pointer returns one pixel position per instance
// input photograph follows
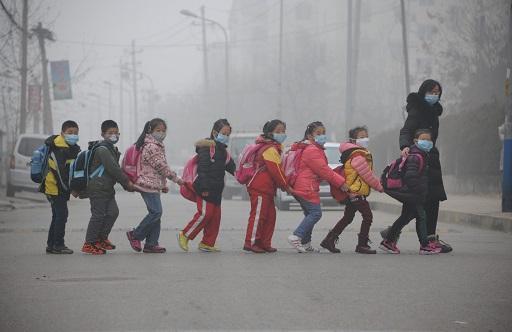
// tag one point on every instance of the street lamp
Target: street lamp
(189, 13)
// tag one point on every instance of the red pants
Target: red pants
(262, 220)
(206, 219)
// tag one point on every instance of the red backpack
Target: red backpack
(248, 165)
(190, 174)
(291, 162)
(131, 162)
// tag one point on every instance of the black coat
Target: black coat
(211, 171)
(421, 115)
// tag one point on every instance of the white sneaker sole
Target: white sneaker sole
(386, 250)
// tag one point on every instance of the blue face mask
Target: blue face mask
(425, 145)
(279, 138)
(224, 139)
(431, 99)
(71, 139)
(321, 139)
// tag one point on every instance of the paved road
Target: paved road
(468, 290)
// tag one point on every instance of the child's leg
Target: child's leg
(197, 220)
(421, 225)
(348, 217)
(151, 220)
(212, 224)
(254, 218)
(313, 213)
(111, 214)
(408, 213)
(59, 220)
(364, 208)
(270, 224)
(98, 212)
(51, 232)
(432, 213)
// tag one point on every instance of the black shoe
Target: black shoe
(49, 250)
(61, 250)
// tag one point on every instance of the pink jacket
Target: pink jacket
(363, 168)
(154, 169)
(313, 168)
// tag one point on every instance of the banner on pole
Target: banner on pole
(61, 80)
(34, 98)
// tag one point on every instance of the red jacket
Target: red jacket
(271, 175)
(313, 168)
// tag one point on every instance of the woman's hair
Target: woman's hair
(420, 132)
(148, 129)
(218, 125)
(270, 126)
(352, 133)
(428, 86)
(311, 128)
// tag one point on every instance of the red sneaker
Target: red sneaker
(105, 245)
(92, 249)
(134, 243)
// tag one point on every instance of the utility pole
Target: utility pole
(357, 37)
(280, 63)
(121, 115)
(134, 86)
(405, 48)
(205, 53)
(348, 88)
(506, 199)
(43, 34)
(24, 42)
(109, 85)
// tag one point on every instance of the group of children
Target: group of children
(354, 179)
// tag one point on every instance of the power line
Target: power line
(76, 42)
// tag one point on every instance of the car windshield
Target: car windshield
(28, 145)
(238, 144)
(333, 154)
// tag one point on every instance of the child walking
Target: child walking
(263, 186)
(213, 162)
(312, 169)
(154, 172)
(413, 195)
(358, 165)
(100, 190)
(62, 151)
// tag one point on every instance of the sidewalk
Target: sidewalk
(478, 211)
(22, 200)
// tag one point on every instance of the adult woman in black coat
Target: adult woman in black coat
(424, 110)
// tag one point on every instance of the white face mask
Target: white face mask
(363, 142)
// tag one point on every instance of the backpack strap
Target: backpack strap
(59, 176)
(421, 160)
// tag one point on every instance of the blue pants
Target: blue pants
(312, 214)
(149, 227)
(59, 218)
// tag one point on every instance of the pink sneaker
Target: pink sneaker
(134, 243)
(389, 246)
(154, 249)
(430, 249)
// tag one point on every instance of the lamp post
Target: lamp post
(226, 50)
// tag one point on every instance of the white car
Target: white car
(283, 200)
(18, 177)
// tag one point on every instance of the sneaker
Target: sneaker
(384, 234)
(295, 241)
(310, 248)
(270, 249)
(134, 243)
(183, 241)
(105, 244)
(389, 246)
(62, 250)
(90, 248)
(430, 249)
(49, 250)
(445, 247)
(206, 248)
(154, 249)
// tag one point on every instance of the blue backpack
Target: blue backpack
(39, 163)
(79, 170)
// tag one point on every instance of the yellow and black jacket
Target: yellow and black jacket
(61, 155)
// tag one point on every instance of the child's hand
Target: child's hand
(130, 187)
(344, 188)
(204, 194)
(165, 190)
(180, 182)
(405, 152)
(289, 190)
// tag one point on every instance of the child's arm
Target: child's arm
(412, 123)
(315, 160)
(272, 161)
(156, 159)
(412, 176)
(361, 166)
(111, 166)
(231, 167)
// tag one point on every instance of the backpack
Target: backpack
(291, 162)
(39, 163)
(247, 166)
(80, 167)
(392, 176)
(336, 193)
(131, 162)
(190, 175)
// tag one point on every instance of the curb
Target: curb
(485, 221)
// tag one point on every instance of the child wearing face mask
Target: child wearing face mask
(413, 194)
(213, 162)
(152, 177)
(263, 187)
(62, 151)
(312, 169)
(358, 166)
(100, 190)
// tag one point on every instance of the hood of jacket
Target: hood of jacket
(205, 143)
(415, 103)
(349, 146)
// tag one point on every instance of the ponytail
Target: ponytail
(148, 129)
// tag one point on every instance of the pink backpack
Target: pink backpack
(247, 166)
(190, 174)
(291, 161)
(131, 162)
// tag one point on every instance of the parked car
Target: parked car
(237, 142)
(283, 200)
(18, 177)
